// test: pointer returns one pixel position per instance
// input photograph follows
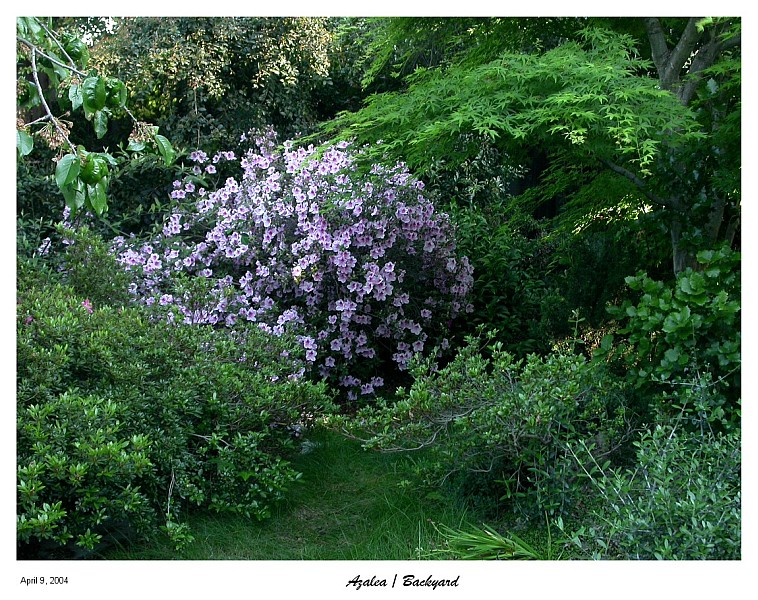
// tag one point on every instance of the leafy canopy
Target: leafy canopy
(585, 96)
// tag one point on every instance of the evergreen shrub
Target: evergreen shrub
(680, 501)
(486, 412)
(681, 332)
(125, 421)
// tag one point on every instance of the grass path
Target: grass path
(350, 504)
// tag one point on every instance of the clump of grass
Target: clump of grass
(485, 543)
(350, 504)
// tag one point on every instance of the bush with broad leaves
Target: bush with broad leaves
(359, 264)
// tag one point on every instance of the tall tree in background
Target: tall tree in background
(701, 66)
(206, 80)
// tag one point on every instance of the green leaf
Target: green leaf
(96, 195)
(135, 146)
(93, 95)
(165, 149)
(28, 27)
(606, 343)
(76, 49)
(75, 195)
(67, 170)
(670, 324)
(75, 95)
(24, 142)
(705, 256)
(115, 93)
(672, 355)
(101, 123)
(686, 285)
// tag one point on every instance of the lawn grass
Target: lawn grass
(350, 504)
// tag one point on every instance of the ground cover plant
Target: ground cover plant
(123, 423)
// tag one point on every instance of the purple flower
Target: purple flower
(198, 156)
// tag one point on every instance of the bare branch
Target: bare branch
(42, 119)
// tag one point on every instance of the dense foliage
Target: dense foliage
(512, 419)
(595, 103)
(123, 425)
(200, 77)
(681, 501)
(685, 333)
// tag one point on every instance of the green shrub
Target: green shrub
(91, 269)
(675, 332)
(511, 419)
(682, 500)
(512, 291)
(79, 469)
(123, 423)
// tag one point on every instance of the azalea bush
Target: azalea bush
(359, 265)
(124, 421)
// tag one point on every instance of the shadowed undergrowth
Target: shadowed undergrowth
(350, 504)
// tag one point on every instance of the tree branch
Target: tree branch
(670, 62)
(684, 48)
(658, 45)
(641, 185)
(57, 43)
(34, 48)
(703, 59)
(60, 130)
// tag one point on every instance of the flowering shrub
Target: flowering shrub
(361, 266)
(123, 422)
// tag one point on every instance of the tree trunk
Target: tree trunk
(679, 71)
(681, 258)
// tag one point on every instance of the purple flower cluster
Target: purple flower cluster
(360, 266)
